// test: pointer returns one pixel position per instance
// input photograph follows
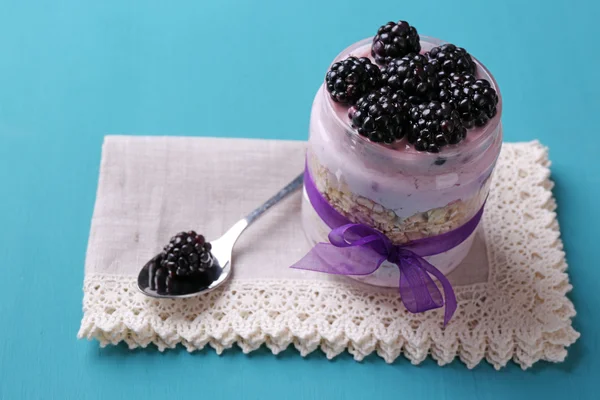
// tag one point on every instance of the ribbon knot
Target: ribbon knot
(358, 249)
(394, 255)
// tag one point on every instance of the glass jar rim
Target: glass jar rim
(448, 151)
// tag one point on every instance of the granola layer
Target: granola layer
(360, 209)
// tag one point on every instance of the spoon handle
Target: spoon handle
(236, 230)
(291, 187)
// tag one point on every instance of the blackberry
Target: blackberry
(381, 116)
(435, 125)
(412, 74)
(448, 58)
(394, 40)
(350, 79)
(186, 255)
(475, 99)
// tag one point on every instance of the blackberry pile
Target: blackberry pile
(352, 78)
(432, 99)
(186, 257)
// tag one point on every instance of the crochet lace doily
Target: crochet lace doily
(521, 313)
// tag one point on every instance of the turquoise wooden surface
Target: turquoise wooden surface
(73, 71)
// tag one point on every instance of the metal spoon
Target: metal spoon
(222, 249)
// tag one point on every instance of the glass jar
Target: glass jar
(403, 193)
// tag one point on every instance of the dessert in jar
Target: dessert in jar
(404, 135)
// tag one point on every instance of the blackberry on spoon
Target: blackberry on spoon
(349, 79)
(184, 264)
(394, 40)
(187, 254)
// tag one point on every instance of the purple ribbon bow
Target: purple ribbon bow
(358, 249)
